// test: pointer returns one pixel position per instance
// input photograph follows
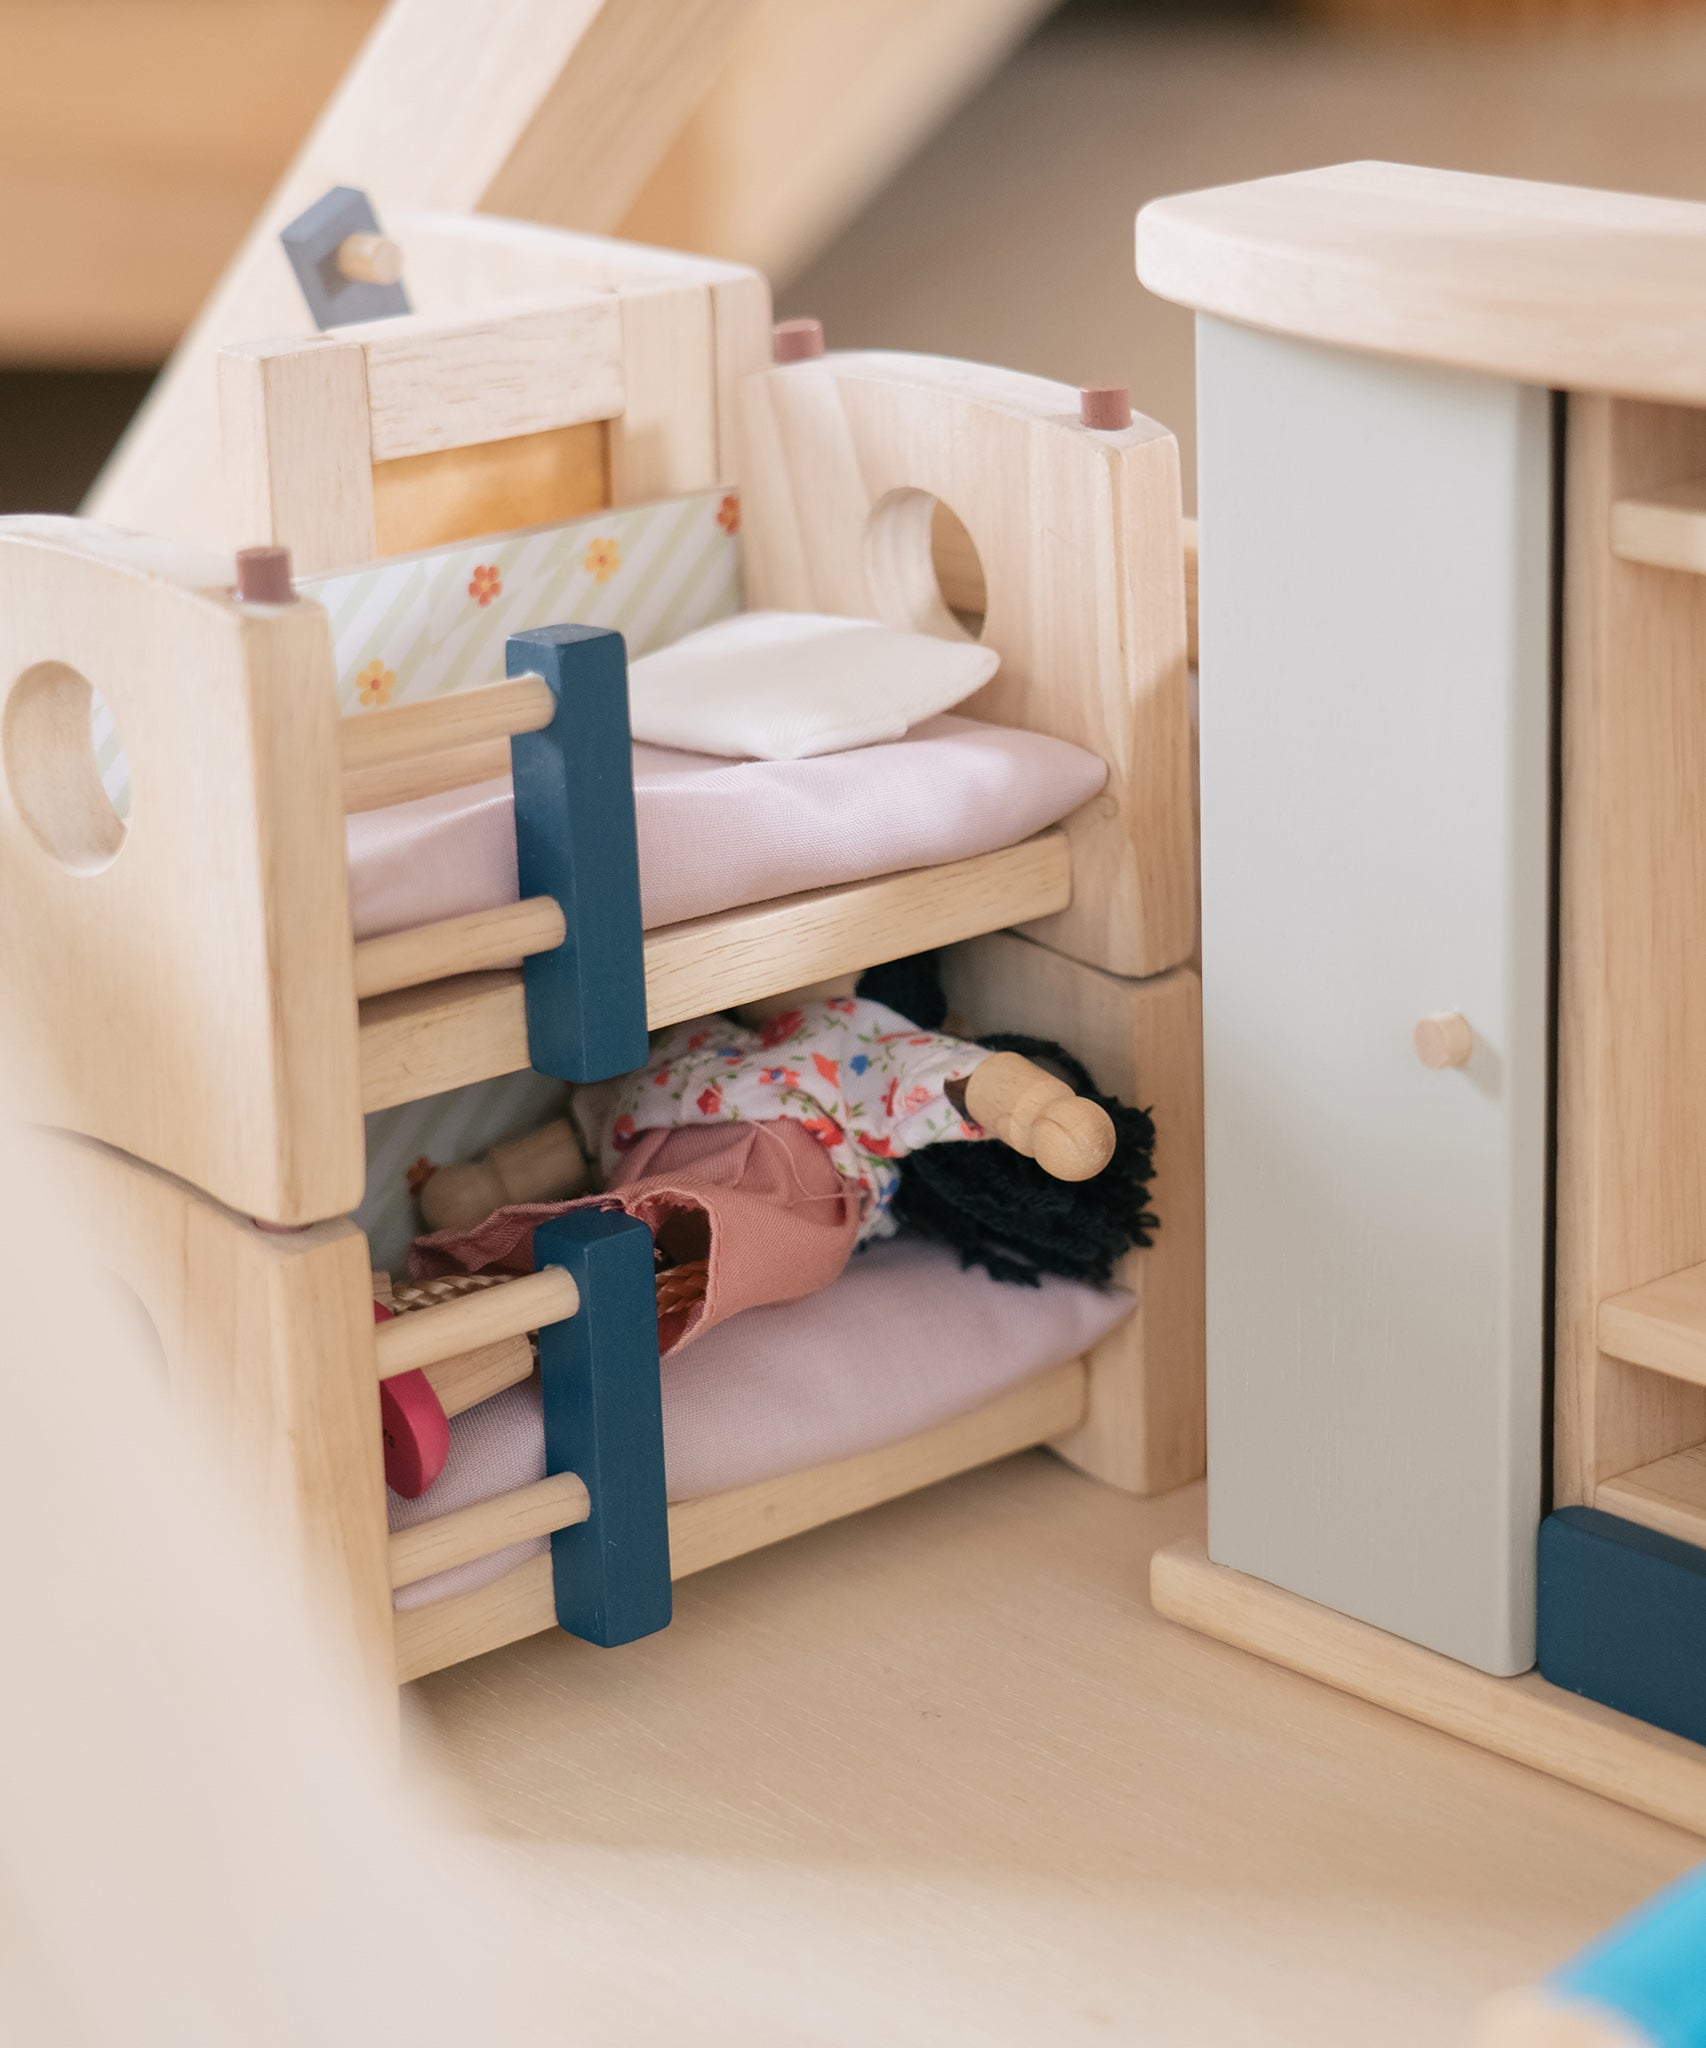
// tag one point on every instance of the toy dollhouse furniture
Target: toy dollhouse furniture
(201, 1026)
(1454, 901)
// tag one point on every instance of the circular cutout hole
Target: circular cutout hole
(54, 762)
(923, 567)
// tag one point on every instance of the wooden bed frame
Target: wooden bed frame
(256, 1032)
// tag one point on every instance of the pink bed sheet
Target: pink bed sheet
(715, 834)
(906, 1338)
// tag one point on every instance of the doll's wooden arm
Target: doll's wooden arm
(547, 1165)
(1036, 1113)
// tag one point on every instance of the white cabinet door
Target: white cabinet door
(1376, 787)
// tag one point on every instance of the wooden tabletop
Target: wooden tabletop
(1572, 289)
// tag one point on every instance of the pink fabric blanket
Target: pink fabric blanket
(905, 1339)
(715, 834)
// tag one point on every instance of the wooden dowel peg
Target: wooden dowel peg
(559, 1502)
(463, 718)
(1443, 1039)
(369, 259)
(263, 576)
(457, 945)
(1037, 1114)
(428, 1336)
(797, 341)
(1104, 408)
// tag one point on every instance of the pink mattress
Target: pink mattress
(905, 1339)
(715, 833)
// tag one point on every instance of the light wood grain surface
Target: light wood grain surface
(1631, 1071)
(1668, 1495)
(266, 1341)
(1545, 284)
(955, 1726)
(419, 1041)
(1523, 1718)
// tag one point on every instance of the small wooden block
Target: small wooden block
(1622, 1618)
(604, 1420)
(314, 242)
(576, 841)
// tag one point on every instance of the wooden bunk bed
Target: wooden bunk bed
(201, 1023)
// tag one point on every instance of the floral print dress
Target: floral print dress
(867, 1085)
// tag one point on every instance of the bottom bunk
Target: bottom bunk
(904, 1370)
(719, 1526)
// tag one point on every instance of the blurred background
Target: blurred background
(139, 137)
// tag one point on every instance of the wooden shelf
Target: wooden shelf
(1661, 1326)
(420, 1041)
(1668, 1495)
(1664, 529)
(709, 1531)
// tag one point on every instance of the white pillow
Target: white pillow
(779, 686)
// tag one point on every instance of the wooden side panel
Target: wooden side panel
(1143, 1426)
(456, 259)
(1631, 1026)
(268, 1340)
(507, 367)
(1376, 717)
(294, 434)
(180, 986)
(1078, 533)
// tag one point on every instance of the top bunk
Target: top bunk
(579, 385)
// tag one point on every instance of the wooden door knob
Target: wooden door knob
(1444, 1039)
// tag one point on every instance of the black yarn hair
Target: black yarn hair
(994, 1207)
(1001, 1211)
(911, 987)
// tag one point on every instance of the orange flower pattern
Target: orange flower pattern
(485, 584)
(603, 559)
(728, 514)
(867, 1085)
(375, 684)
